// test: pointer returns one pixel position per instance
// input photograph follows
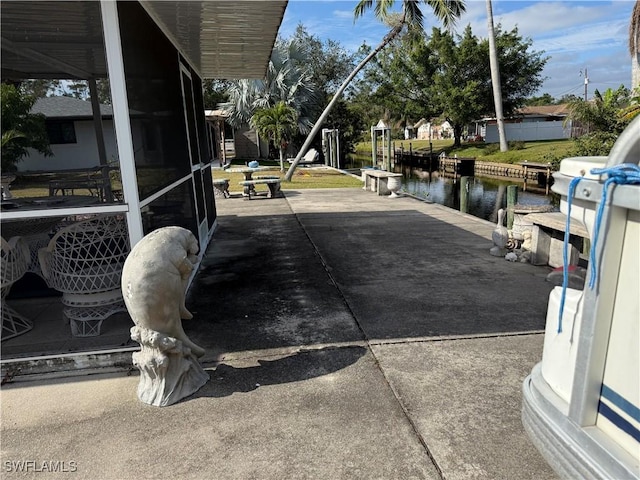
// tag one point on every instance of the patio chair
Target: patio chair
(84, 261)
(310, 157)
(15, 262)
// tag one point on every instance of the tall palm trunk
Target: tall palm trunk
(495, 79)
(316, 128)
(634, 45)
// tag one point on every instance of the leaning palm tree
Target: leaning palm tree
(495, 79)
(278, 124)
(411, 17)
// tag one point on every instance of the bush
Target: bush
(553, 159)
(491, 148)
(595, 144)
(516, 145)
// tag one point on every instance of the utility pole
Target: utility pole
(586, 82)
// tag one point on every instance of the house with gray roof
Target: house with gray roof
(532, 123)
(72, 133)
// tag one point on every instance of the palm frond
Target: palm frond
(361, 8)
(447, 11)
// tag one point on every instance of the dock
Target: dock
(348, 335)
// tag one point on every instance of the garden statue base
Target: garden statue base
(169, 371)
(497, 251)
(154, 281)
(5, 181)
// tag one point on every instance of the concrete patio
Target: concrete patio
(348, 336)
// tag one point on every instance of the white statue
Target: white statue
(154, 281)
(500, 237)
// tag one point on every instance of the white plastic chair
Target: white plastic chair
(311, 156)
(84, 261)
(15, 262)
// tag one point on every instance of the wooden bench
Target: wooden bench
(273, 183)
(547, 238)
(96, 181)
(95, 187)
(221, 187)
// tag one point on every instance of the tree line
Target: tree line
(439, 75)
(410, 75)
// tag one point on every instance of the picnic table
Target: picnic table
(248, 174)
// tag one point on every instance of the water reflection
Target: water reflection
(485, 195)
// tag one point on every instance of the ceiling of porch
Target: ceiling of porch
(221, 39)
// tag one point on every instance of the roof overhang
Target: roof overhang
(63, 39)
(222, 39)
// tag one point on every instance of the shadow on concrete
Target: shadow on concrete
(273, 279)
(407, 274)
(303, 365)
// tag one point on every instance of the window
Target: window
(61, 131)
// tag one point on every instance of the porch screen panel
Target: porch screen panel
(154, 93)
(206, 155)
(173, 208)
(208, 192)
(56, 51)
(200, 199)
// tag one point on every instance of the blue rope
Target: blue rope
(625, 173)
(565, 249)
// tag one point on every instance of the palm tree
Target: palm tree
(602, 113)
(495, 79)
(632, 110)
(279, 124)
(287, 80)
(447, 11)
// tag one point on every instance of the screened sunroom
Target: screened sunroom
(132, 149)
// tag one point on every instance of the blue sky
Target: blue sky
(576, 35)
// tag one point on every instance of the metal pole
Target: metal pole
(586, 82)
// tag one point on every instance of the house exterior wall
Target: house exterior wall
(82, 154)
(529, 131)
(246, 143)
(437, 131)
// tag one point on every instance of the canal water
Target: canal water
(486, 195)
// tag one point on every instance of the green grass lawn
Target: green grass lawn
(303, 178)
(532, 152)
(38, 185)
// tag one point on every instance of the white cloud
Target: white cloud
(343, 14)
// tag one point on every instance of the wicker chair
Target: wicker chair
(15, 262)
(84, 261)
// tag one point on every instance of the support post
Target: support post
(512, 199)
(374, 147)
(388, 149)
(464, 194)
